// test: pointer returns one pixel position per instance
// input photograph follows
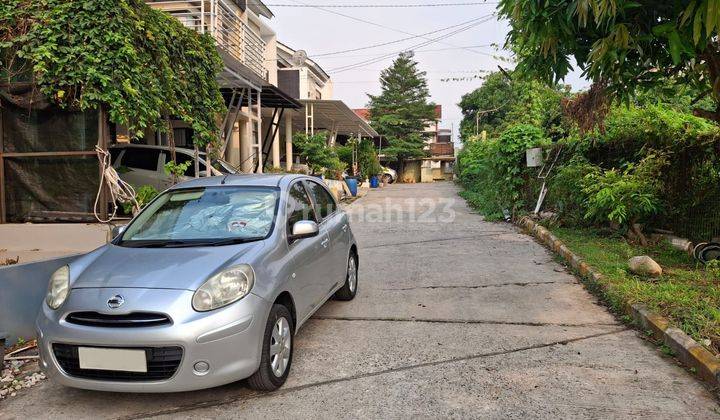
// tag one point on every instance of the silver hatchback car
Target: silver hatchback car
(206, 286)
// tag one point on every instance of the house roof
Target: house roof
(363, 113)
(260, 8)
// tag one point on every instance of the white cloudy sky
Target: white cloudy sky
(320, 31)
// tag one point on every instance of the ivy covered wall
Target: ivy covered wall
(139, 63)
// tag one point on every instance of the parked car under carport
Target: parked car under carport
(140, 165)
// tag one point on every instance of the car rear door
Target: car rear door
(333, 223)
(308, 254)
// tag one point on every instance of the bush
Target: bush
(495, 173)
(321, 158)
(565, 192)
(625, 197)
(367, 158)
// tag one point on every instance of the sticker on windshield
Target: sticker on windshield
(235, 226)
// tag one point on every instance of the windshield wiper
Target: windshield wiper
(235, 241)
(187, 243)
(153, 243)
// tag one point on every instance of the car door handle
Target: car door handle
(325, 242)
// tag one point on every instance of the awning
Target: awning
(270, 96)
(274, 97)
(332, 116)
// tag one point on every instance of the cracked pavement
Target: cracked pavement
(461, 319)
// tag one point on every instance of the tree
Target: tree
(401, 112)
(505, 100)
(622, 45)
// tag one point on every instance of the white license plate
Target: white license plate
(122, 360)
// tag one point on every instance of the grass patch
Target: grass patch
(687, 293)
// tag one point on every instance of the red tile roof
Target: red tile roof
(363, 113)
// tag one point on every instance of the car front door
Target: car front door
(334, 224)
(308, 254)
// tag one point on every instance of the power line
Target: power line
(372, 23)
(335, 57)
(384, 6)
(422, 44)
(398, 40)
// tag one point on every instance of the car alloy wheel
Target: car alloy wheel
(280, 347)
(277, 351)
(349, 289)
(352, 275)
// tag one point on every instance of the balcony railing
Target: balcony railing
(442, 149)
(221, 19)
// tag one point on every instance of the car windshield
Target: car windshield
(210, 216)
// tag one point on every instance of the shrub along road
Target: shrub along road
(463, 319)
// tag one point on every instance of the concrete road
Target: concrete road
(455, 317)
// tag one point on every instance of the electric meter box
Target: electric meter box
(534, 157)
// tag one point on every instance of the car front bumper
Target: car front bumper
(228, 339)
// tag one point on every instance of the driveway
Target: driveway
(455, 317)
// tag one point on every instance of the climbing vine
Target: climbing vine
(139, 63)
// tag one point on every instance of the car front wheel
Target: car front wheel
(349, 289)
(277, 351)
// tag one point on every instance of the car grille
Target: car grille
(131, 320)
(162, 363)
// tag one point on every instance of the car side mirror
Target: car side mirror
(304, 229)
(118, 230)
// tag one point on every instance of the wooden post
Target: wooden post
(2, 174)
(197, 161)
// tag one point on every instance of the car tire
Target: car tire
(387, 179)
(278, 331)
(349, 289)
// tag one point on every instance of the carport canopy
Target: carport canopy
(333, 116)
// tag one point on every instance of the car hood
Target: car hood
(113, 266)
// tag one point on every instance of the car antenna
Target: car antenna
(224, 179)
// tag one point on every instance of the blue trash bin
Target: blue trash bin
(352, 184)
(374, 182)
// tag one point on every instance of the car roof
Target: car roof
(255, 180)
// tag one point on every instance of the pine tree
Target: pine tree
(401, 112)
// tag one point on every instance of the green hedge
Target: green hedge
(652, 165)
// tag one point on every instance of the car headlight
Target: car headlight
(59, 287)
(224, 288)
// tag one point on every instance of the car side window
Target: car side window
(114, 154)
(146, 159)
(324, 202)
(299, 205)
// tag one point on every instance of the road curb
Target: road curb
(686, 349)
